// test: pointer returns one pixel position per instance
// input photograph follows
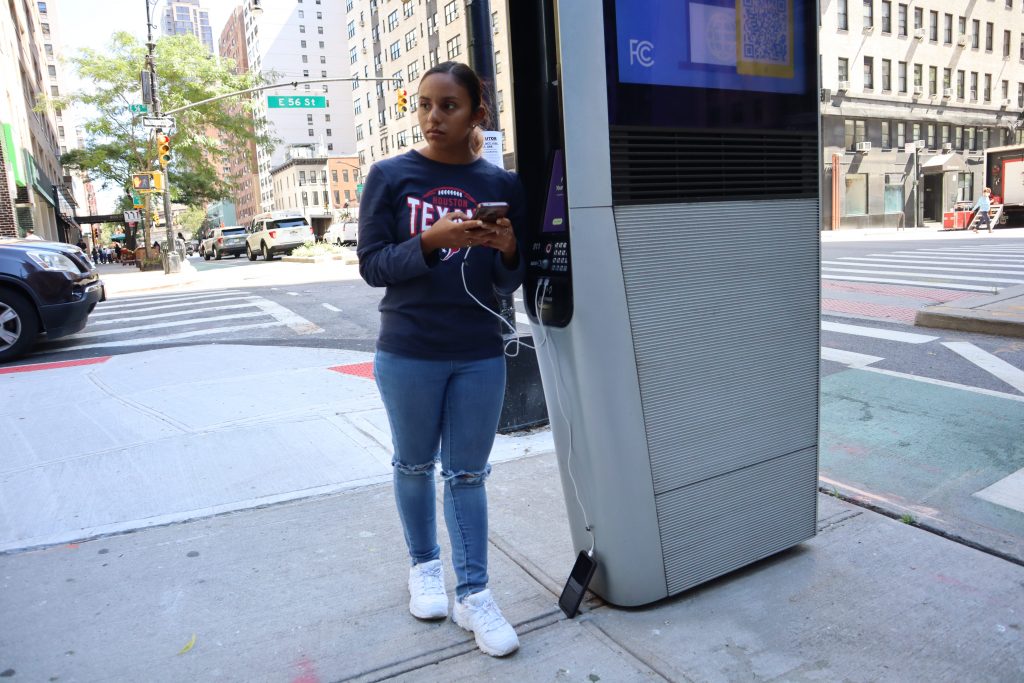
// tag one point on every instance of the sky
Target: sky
(90, 23)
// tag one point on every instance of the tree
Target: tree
(117, 144)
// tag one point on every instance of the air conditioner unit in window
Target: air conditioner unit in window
(869, 28)
(947, 93)
(844, 86)
(974, 95)
(919, 33)
(918, 90)
(862, 147)
(1005, 103)
(962, 40)
(947, 147)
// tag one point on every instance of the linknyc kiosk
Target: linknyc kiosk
(669, 149)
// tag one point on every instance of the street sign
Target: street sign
(157, 122)
(287, 102)
(136, 199)
(132, 216)
(138, 108)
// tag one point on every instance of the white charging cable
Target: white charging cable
(542, 285)
(518, 339)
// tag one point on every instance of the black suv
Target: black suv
(45, 287)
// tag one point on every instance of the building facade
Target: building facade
(912, 93)
(37, 194)
(240, 167)
(186, 17)
(299, 40)
(344, 179)
(401, 41)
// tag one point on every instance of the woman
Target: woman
(439, 363)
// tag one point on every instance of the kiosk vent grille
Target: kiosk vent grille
(654, 166)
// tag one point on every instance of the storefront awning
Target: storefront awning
(941, 163)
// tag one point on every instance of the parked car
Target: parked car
(277, 232)
(45, 288)
(226, 241)
(342, 233)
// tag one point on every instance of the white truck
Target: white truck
(1004, 173)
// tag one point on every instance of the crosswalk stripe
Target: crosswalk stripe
(155, 316)
(138, 300)
(160, 339)
(122, 311)
(950, 252)
(854, 360)
(918, 283)
(155, 326)
(948, 277)
(296, 322)
(936, 262)
(949, 258)
(876, 332)
(990, 363)
(1018, 271)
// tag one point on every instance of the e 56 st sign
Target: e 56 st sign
(285, 102)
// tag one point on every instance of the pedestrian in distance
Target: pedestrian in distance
(30, 234)
(440, 363)
(983, 205)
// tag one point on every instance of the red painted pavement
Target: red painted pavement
(55, 365)
(900, 313)
(356, 369)
(924, 293)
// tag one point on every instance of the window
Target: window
(451, 12)
(497, 61)
(854, 132)
(309, 119)
(901, 76)
(842, 20)
(918, 18)
(989, 28)
(305, 73)
(393, 21)
(869, 14)
(320, 15)
(328, 132)
(305, 199)
(892, 199)
(302, 177)
(856, 195)
(302, 28)
(454, 48)
(501, 101)
(961, 25)
(305, 59)
(359, 132)
(933, 26)
(312, 133)
(960, 84)
(974, 86)
(901, 134)
(414, 71)
(933, 80)
(1006, 44)
(1006, 90)
(947, 29)
(975, 33)
(915, 132)
(947, 80)
(52, 70)
(320, 30)
(844, 69)
(932, 140)
(395, 50)
(344, 174)
(988, 87)
(901, 20)
(351, 29)
(886, 138)
(431, 24)
(407, 9)
(965, 187)
(886, 75)
(302, 15)
(321, 44)
(417, 135)
(869, 73)
(886, 16)
(1022, 47)
(918, 76)
(1020, 94)
(945, 134)
(410, 40)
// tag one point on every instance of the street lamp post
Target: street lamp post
(172, 262)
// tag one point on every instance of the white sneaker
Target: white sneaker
(427, 598)
(479, 613)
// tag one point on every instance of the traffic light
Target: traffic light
(403, 100)
(154, 217)
(142, 182)
(163, 148)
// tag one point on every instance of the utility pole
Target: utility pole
(481, 58)
(172, 262)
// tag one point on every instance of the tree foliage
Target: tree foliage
(117, 144)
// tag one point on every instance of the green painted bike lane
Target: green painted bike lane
(913, 448)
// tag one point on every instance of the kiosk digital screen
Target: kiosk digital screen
(753, 45)
(705, 64)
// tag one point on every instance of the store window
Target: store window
(856, 203)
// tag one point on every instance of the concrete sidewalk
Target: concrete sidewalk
(1000, 314)
(243, 529)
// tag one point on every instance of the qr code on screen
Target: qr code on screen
(766, 35)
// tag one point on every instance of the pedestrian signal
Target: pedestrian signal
(143, 182)
(403, 100)
(163, 148)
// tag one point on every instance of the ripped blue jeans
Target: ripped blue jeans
(448, 411)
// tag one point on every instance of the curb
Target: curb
(998, 314)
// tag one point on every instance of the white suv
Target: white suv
(227, 241)
(277, 232)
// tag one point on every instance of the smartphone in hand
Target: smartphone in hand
(490, 212)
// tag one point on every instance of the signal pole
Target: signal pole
(172, 262)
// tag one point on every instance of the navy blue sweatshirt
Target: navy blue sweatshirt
(425, 312)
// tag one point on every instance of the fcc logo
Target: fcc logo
(641, 52)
